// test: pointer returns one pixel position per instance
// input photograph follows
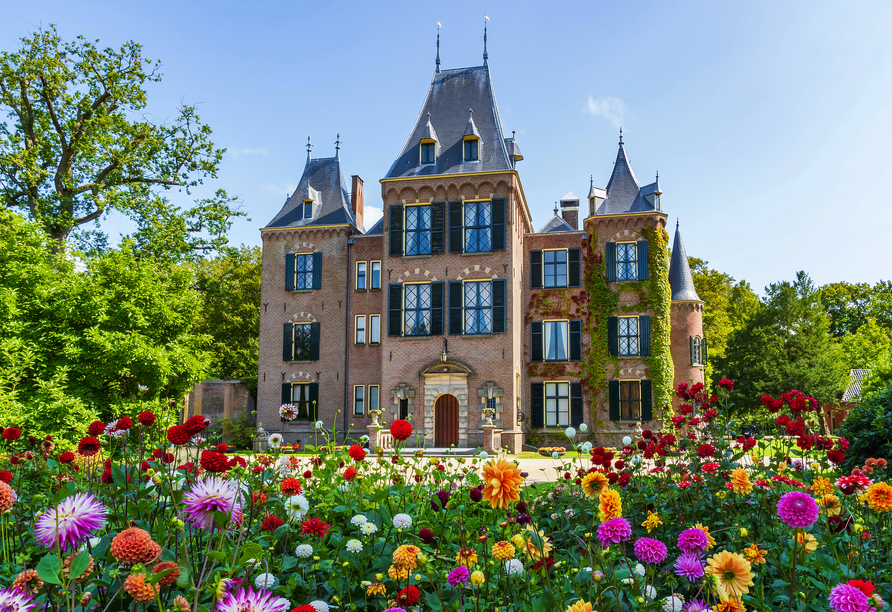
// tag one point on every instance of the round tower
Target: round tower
(689, 351)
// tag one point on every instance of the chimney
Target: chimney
(356, 201)
(570, 210)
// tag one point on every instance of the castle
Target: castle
(454, 312)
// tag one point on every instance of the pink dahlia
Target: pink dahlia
(797, 509)
(212, 495)
(846, 598)
(649, 550)
(16, 600)
(693, 540)
(459, 576)
(71, 522)
(251, 601)
(614, 531)
(690, 566)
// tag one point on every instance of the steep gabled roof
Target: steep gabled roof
(624, 194)
(377, 228)
(451, 94)
(680, 279)
(556, 224)
(323, 183)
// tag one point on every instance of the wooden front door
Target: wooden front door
(446, 421)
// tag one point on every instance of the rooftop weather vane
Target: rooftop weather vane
(438, 45)
(309, 146)
(620, 135)
(485, 55)
(338, 145)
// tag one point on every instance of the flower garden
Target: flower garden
(145, 516)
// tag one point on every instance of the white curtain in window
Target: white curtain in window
(557, 340)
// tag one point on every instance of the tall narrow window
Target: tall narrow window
(376, 275)
(302, 341)
(627, 328)
(360, 329)
(404, 409)
(630, 400)
(626, 261)
(360, 275)
(557, 404)
(418, 230)
(358, 400)
(696, 351)
(303, 270)
(308, 209)
(375, 329)
(417, 310)
(554, 268)
(478, 307)
(428, 152)
(478, 227)
(374, 393)
(300, 399)
(556, 337)
(471, 150)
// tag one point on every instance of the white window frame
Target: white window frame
(359, 335)
(375, 329)
(557, 403)
(620, 321)
(564, 329)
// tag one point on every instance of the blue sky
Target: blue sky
(769, 122)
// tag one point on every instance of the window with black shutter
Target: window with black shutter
(577, 416)
(576, 340)
(395, 310)
(610, 256)
(554, 268)
(437, 309)
(642, 260)
(613, 336)
(630, 400)
(396, 230)
(301, 342)
(456, 244)
(537, 404)
(498, 306)
(478, 307)
(456, 298)
(317, 270)
(627, 335)
(438, 227)
(289, 272)
(647, 401)
(478, 227)
(498, 224)
(644, 332)
(557, 404)
(304, 397)
(536, 269)
(536, 341)
(574, 272)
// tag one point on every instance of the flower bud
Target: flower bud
(743, 532)
(421, 559)
(85, 599)
(379, 577)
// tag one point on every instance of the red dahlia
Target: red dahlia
(107, 476)
(66, 457)
(178, 435)
(12, 433)
(304, 608)
(195, 424)
(408, 596)
(357, 453)
(401, 430)
(124, 423)
(726, 383)
(314, 526)
(836, 456)
(213, 462)
(146, 418)
(88, 446)
(426, 535)
(222, 448)
(5, 476)
(237, 461)
(290, 486)
(271, 523)
(96, 428)
(350, 474)
(705, 450)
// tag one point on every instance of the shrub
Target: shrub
(868, 428)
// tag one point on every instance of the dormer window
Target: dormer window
(308, 209)
(428, 152)
(471, 149)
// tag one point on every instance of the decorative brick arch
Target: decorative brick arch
(302, 247)
(625, 236)
(405, 276)
(485, 270)
(302, 317)
(307, 376)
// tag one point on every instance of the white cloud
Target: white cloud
(612, 109)
(245, 152)
(370, 216)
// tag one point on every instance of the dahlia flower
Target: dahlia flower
(296, 507)
(359, 520)
(15, 600)
(513, 566)
(614, 531)
(846, 598)
(797, 509)
(212, 495)
(303, 551)
(71, 522)
(459, 576)
(610, 505)
(696, 605)
(689, 565)
(320, 606)
(580, 606)
(673, 604)
(879, 497)
(265, 581)
(692, 540)
(275, 440)
(732, 572)
(649, 550)
(593, 484)
(369, 529)
(503, 482)
(354, 546)
(402, 521)
(251, 601)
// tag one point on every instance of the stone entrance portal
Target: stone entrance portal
(446, 421)
(446, 389)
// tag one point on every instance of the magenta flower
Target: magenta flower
(797, 509)
(692, 540)
(846, 598)
(15, 600)
(459, 576)
(696, 605)
(649, 550)
(395, 610)
(251, 601)
(690, 566)
(212, 495)
(71, 522)
(614, 531)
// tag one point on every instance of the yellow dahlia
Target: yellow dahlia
(879, 497)
(822, 486)
(740, 482)
(477, 578)
(754, 555)
(829, 504)
(397, 573)
(376, 589)
(404, 556)
(729, 604)
(652, 522)
(709, 537)
(503, 550)
(593, 484)
(732, 572)
(466, 557)
(610, 506)
(533, 543)
(806, 541)
(503, 482)
(580, 606)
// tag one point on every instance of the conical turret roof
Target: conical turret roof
(680, 279)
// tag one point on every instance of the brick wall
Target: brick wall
(687, 321)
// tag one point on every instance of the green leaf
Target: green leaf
(288, 562)
(48, 569)
(118, 476)
(217, 555)
(80, 564)
(155, 578)
(185, 575)
(252, 550)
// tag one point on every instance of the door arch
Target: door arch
(446, 421)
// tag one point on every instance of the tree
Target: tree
(850, 306)
(786, 345)
(77, 143)
(868, 345)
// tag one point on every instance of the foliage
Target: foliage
(658, 300)
(238, 432)
(78, 142)
(851, 305)
(868, 427)
(868, 345)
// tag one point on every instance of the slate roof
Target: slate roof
(624, 194)
(323, 183)
(556, 224)
(680, 280)
(377, 228)
(513, 149)
(853, 393)
(451, 95)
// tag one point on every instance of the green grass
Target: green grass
(567, 455)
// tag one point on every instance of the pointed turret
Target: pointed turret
(471, 127)
(680, 279)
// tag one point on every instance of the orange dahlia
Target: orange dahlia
(28, 581)
(405, 555)
(138, 588)
(503, 551)
(7, 497)
(466, 557)
(290, 486)
(733, 574)
(376, 589)
(397, 573)
(740, 482)
(610, 506)
(593, 484)
(580, 606)
(67, 568)
(754, 555)
(829, 504)
(822, 486)
(503, 482)
(171, 578)
(533, 543)
(709, 537)
(879, 497)
(133, 545)
(807, 541)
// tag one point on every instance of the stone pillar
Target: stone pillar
(374, 428)
(487, 438)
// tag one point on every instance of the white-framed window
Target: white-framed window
(418, 230)
(478, 227)
(360, 329)
(556, 340)
(374, 397)
(374, 329)
(630, 400)
(417, 309)
(554, 268)
(557, 404)
(478, 307)
(302, 336)
(303, 271)
(358, 400)
(361, 268)
(626, 261)
(376, 275)
(627, 334)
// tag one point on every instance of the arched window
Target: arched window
(696, 352)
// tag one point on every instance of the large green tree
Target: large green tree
(78, 142)
(851, 305)
(786, 345)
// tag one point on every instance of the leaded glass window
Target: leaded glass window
(302, 340)
(418, 230)
(417, 311)
(556, 335)
(478, 227)
(303, 271)
(478, 307)
(626, 261)
(695, 351)
(628, 335)
(554, 268)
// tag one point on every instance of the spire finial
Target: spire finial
(658, 175)
(309, 146)
(485, 54)
(555, 209)
(438, 47)
(591, 181)
(338, 146)
(512, 134)
(676, 224)
(620, 135)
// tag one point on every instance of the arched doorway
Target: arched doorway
(446, 421)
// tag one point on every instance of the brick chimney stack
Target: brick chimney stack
(356, 201)
(570, 214)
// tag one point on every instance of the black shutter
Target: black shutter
(455, 308)
(437, 309)
(537, 404)
(289, 271)
(536, 341)
(703, 355)
(642, 260)
(644, 335)
(396, 230)
(314, 341)
(395, 310)
(576, 416)
(610, 250)
(613, 336)
(313, 400)
(613, 393)
(286, 393)
(647, 400)
(438, 227)
(498, 306)
(317, 270)
(288, 343)
(691, 342)
(536, 269)
(576, 340)
(456, 244)
(573, 275)
(498, 225)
